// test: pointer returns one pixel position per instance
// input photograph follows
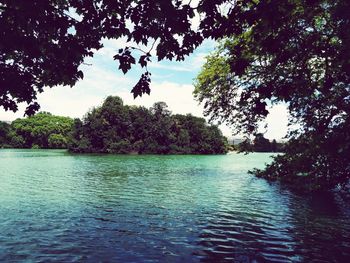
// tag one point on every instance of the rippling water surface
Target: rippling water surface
(62, 207)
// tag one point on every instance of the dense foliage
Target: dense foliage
(313, 162)
(296, 53)
(4, 134)
(42, 130)
(260, 144)
(118, 128)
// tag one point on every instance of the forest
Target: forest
(119, 129)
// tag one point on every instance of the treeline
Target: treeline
(260, 144)
(42, 130)
(118, 128)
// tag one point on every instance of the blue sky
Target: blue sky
(172, 82)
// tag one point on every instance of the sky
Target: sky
(172, 82)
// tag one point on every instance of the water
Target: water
(61, 207)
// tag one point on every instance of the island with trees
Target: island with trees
(119, 129)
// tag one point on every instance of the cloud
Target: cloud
(98, 84)
(192, 64)
(166, 66)
(111, 47)
(277, 122)
(10, 116)
(178, 97)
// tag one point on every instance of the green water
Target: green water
(56, 206)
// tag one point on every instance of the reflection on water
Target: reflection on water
(62, 207)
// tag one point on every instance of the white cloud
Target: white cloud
(98, 84)
(277, 121)
(190, 64)
(180, 68)
(10, 116)
(178, 97)
(111, 47)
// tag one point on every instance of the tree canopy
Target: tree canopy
(4, 133)
(43, 43)
(291, 52)
(118, 128)
(42, 130)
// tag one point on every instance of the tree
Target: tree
(141, 127)
(43, 130)
(5, 129)
(291, 52)
(261, 144)
(161, 127)
(17, 141)
(274, 146)
(198, 136)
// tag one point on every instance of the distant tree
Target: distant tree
(183, 137)
(43, 130)
(274, 146)
(5, 129)
(161, 128)
(201, 138)
(140, 128)
(76, 142)
(245, 146)
(17, 141)
(122, 146)
(261, 144)
(160, 109)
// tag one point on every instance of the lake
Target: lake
(57, 206)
